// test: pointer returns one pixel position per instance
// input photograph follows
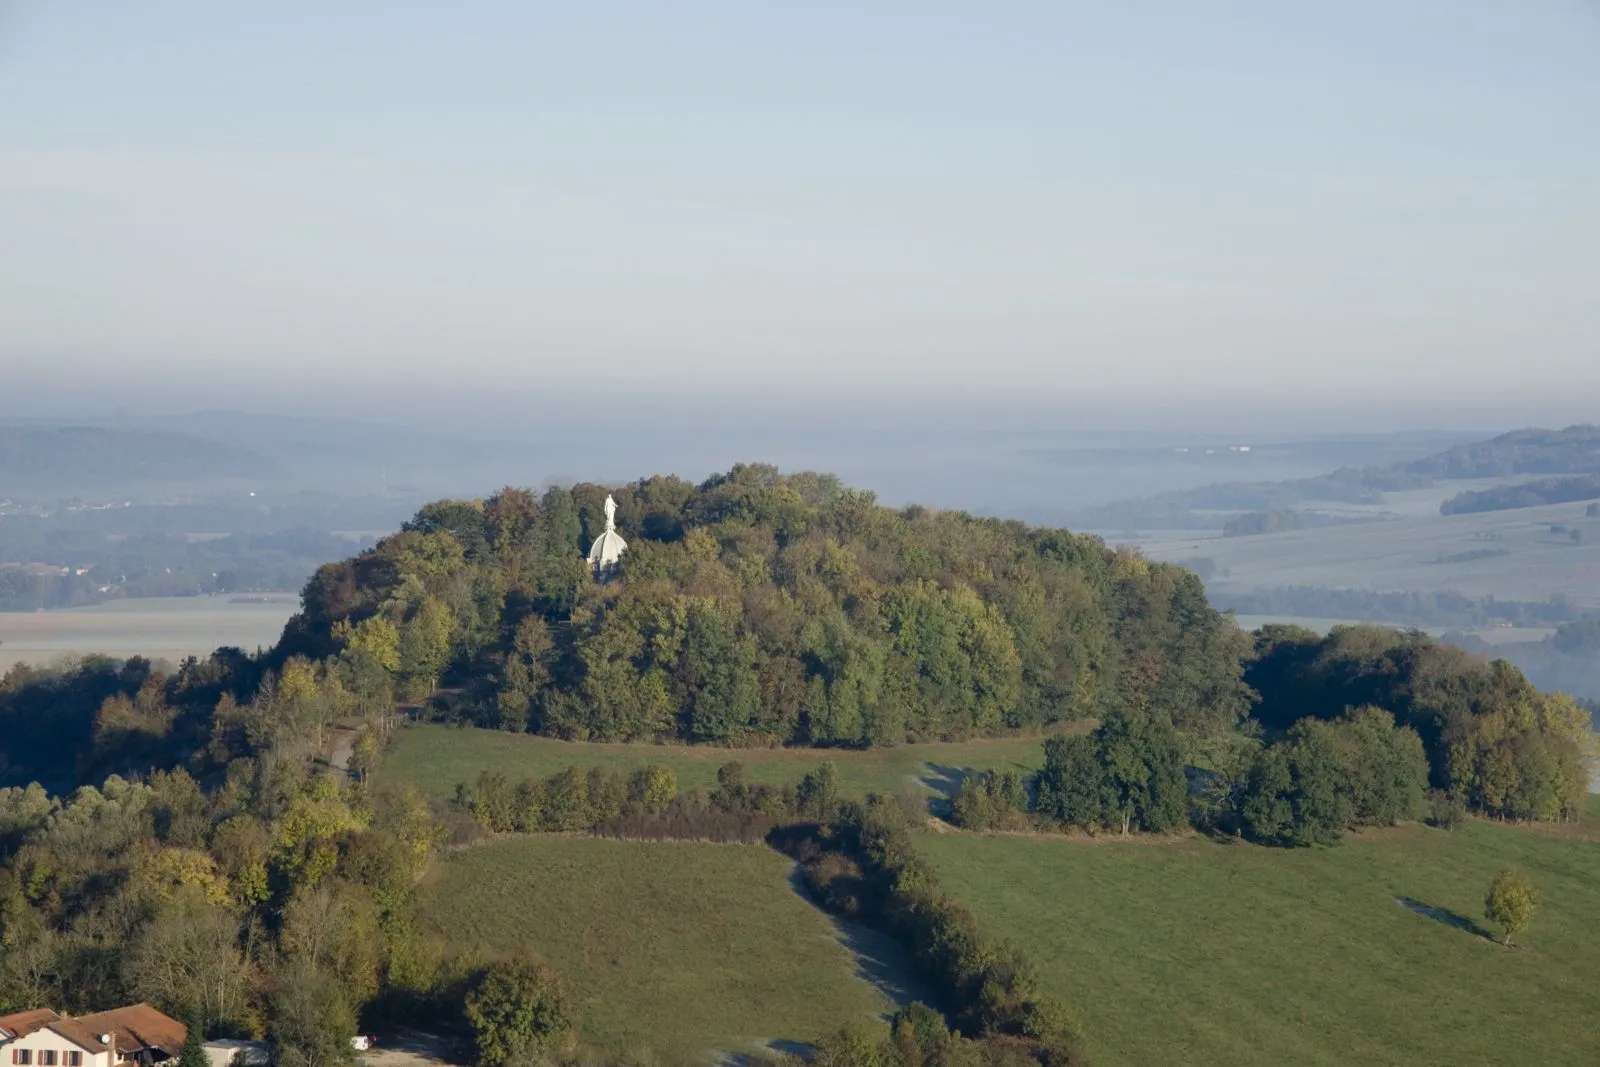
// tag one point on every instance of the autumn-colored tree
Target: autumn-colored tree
(654, 786)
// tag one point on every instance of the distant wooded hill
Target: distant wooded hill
(1574, 450)
(1526, 495)
(70, 458)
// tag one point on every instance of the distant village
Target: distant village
(9, 507)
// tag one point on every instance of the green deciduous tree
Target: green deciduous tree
(520, 1013)
(1510, 902)
(1128, 774)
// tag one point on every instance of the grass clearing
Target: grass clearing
(437, 758)
(1198, 952)
(687, 948)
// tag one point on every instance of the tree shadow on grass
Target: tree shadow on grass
(945, 783)
(879, 959)
(764, 1055)
(1444, 915)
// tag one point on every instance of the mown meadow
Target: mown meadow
(1372, 952)
(437, 758)
(688, 949)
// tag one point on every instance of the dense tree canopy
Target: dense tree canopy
(1489, 736)
(758, 607)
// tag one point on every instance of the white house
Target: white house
(135, 1036)
(231, 1052)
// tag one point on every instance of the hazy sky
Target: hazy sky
(1194, 199)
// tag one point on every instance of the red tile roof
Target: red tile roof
(131, 1029)
(23, 1023)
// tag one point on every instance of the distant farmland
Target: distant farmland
(158, 627)
(1509, 555)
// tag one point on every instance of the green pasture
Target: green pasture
(1369, 952)
(693, 950)
(437, 758)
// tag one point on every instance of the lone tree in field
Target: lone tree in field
(1510, 902)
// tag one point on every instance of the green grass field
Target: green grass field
(690, 949)
(437, 758)
(1196, 952)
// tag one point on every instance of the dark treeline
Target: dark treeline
(1490, 737)
(647, 805)
(758, 608)
(1278, 521)
(1400, 608)
(1365, 727)
(1526, 495)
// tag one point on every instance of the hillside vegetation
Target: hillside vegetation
(758, 608)
(205, 849)
(1197, 952)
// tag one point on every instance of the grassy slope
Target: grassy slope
(436, 758)
(686, 948)
(1195, 952)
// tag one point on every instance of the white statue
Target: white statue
(609, 546)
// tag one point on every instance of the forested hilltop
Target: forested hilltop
(761, 608)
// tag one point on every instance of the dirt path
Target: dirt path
(413, 1048)
(344, 746)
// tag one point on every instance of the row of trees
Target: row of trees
(646, 803)
(863, 866)
(1321, 753)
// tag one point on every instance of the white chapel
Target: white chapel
(609, 546)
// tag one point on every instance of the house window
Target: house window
(22, 1056)
(47, 1057)
(74, 1059)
